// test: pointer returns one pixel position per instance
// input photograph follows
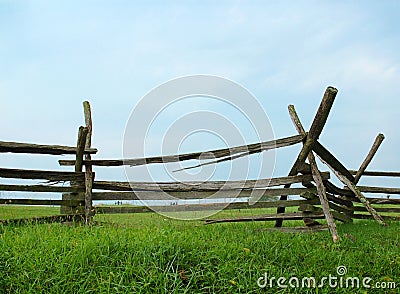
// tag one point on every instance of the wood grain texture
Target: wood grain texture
(316, 174)
(15, 147)
(382, 201)
(358, 194)
(379, 209)
(335, 190)
(377, 173)
(82, 134)
(212, 154)
(53, 176)
(89, 212)
(23, 201)
(202, 186)
(42, 188)
(310, 140)
(196, 207)
(328, 157)
(383, 190)
(378, 141)
(156, 195)
(345, 218)
(322, 113)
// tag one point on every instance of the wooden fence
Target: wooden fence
(76, 203)
(319, 197)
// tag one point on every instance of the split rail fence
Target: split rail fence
(319, 197)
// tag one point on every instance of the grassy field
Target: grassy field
(147, 253)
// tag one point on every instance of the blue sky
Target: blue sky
(55, 54)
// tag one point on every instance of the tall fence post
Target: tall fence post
(317, 177)
(317, 125)
(89, 176)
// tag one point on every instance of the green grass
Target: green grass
(16, 211)
(147, 253)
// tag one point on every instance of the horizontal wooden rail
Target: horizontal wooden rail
(377, 173)
(213, 154)
(199, 207)
(15, 147)
(54, 176)
(42, 188)
(332, 188)
(339, 200)
(367, 189)
(156, 195)
(203, 186)
(379, 209)
(368, 216)
(41, 202)
(343, 217)
(341, 208)
(380, 201)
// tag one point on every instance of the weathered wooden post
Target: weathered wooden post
(315, 130)
(80, 149)
(317, 177)
(378, 141)
(89, 212)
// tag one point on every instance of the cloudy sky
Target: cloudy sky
(56, 54)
